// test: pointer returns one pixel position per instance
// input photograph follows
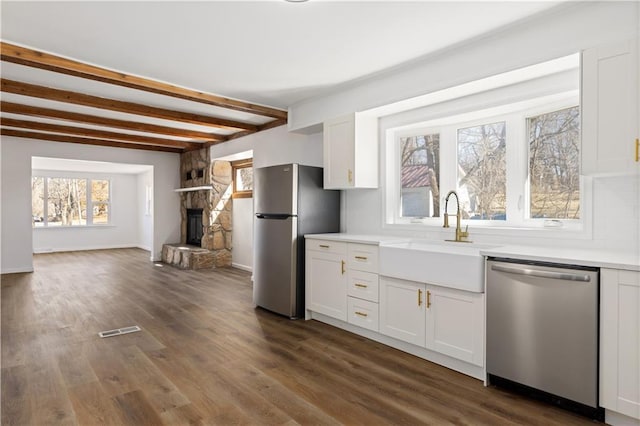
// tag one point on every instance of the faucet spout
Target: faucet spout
(461, 236)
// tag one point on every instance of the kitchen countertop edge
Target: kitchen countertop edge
(357, 238)
(568, 256)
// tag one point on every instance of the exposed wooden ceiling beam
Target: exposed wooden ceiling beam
(99, 134)
(37, 59)
(84, 141)
(266, 126)
(42, 92)
(21, 109)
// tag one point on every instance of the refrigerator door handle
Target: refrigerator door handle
(273, 216)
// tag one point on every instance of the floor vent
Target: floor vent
(119, 331)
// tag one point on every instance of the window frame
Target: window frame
(44, 224)
(235, 166)
(517, 164)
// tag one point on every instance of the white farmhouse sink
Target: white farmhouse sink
(447, 264)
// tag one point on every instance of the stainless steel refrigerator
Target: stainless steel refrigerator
(289, 201)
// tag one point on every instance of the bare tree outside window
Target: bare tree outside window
(482, 171)
(37, 201)
(66, 203)
(420, 176)
(554, 164)
(100, 201)
(245, 179)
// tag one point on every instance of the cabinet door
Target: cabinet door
(326, 284)
(620, 341)
(610, 109)
(339, 152)
(455, 323)
(402, 310)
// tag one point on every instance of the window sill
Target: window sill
(74, 226)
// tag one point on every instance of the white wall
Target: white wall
(275, 146)
(122, 230)
(242, 253)
(16, 241)
(271, 147)
(145, 218)
(562, 31)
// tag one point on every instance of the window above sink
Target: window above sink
(512, 154)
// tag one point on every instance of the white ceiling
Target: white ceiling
(267, 52)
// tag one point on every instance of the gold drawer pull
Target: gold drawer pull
(324, 246)
(361, 257)
(637, 150)
(362, 314)
(350, 175)
(428, 299)
(343, 263)
(361, 285)
(419, 297)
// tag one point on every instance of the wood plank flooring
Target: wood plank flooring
(206, 356)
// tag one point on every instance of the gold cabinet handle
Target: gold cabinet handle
(361, 257)
(428, 299)
(350, 175)
(362, 314)
(361, 285)
(343, 263)
(324, 246)
(419, 297)
(637, 150)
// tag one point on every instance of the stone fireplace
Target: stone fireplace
(208, 207)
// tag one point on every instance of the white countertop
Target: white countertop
(599, 258)
(355, 238)
(585, 257)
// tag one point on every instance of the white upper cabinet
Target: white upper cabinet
(610, 109)
(351, 152)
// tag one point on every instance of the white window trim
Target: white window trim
(517, 179)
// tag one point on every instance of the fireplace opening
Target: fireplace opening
(194, 227)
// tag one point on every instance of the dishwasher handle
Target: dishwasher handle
(542, 274)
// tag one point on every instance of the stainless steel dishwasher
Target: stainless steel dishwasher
(542, 331)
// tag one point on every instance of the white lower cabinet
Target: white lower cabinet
(620, 342)
(326, 283)
(440, 324)
(455, 323)
(402, 313)
(444, 320)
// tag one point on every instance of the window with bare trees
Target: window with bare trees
(420, 175)
(59, 201)
(482, 171)
(554, 164)
(508, 144)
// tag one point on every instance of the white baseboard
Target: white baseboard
(143, 247)
(617, 419)
(243, 267)
(20, 270)
(87, 248)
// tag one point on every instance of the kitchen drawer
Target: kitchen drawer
(363, 313)
(326, 246)
(363, 285)
(363, 257)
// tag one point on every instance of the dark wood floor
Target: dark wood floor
(206, 356)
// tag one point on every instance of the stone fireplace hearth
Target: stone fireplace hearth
(214, 250)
